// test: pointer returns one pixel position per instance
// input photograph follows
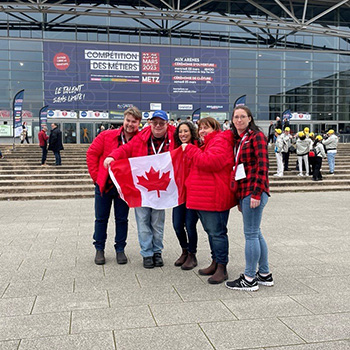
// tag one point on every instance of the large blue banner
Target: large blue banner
(102, 77)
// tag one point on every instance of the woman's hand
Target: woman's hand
(184, 145)
(254, 203)
(108, 161)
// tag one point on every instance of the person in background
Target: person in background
(226, 125)
(251, 178)
(319, 155)
(208, 191)
(149, 120)
(156, 139)
(55, 143)
(105, 191)
(287, 142)
(331, 143)
(278, 152)
(271, 133)
(303, 146)
(185, 220)
(1, 155)
(307, 132)
(42, 137)
(24, 133)
(278, 123)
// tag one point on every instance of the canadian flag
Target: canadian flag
(155, 181)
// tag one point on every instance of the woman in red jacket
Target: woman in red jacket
(208, 191)
(185, 220)
(252, 183)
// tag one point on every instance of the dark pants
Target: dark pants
(186, 220)
(43, 154)
(317, 168)
(285, 156)
(103, 204)
(215, 225)
(26, 138)
(57, 157)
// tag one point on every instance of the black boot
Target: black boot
(157, 259)
(100, 257)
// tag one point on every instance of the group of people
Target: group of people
(223, 169)
(52, 143)
(310, 150)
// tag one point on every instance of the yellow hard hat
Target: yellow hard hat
(311, 134)
(279, 131)
(331, 131)
(301, 134)
(319, 137)
(287, 128)
(306, 130)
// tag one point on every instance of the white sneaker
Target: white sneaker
(301, 175)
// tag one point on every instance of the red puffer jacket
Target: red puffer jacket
(100, 148)
(208, 184)
(42, 138)
(138, 146)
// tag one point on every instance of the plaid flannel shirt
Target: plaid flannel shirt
(157, 143)
(254, 156)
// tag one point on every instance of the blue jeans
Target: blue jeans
(57, 157)
(186, 218)
(103, 204)
(331, 161)
(150, 227)
(215, 225)
(43, 154)
(255, 244)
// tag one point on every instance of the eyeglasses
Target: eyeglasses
(155, 123)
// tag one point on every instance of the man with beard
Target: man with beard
(105, 191)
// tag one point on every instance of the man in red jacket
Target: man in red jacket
(43, 137)
(157, 138)
(105, 192)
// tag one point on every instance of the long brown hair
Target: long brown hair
(251, 126)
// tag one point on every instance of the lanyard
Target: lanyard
(123, 139)
(160, 148)
(238, 149)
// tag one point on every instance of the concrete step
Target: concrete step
(46, 195)
(42, 177)
(285, 189)
(24, 189)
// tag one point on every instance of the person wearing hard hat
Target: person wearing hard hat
(306, 131)
(303, 147)
(287, 142)
(278, 152)
(331, 143)
(319, 155)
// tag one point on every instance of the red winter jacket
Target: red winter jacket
(138, 146)
(43, 137)
(208, 184)
(100, 148)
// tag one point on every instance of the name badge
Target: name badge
(240, 172)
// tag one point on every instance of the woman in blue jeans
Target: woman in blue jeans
(185, 220)
(251, 183)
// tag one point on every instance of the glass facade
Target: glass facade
(280, 70)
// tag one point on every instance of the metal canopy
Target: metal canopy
(275, 20)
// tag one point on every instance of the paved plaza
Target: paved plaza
(53, 296)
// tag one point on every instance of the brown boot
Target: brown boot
(190, 263)
(219, 276)
(210, 270)
(182, 258)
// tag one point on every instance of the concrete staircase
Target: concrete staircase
(23, 178)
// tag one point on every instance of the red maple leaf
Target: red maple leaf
(153, 182)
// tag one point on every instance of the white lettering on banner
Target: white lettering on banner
(114, 65)
(69, 93)
(185, 107)
(111, 55)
